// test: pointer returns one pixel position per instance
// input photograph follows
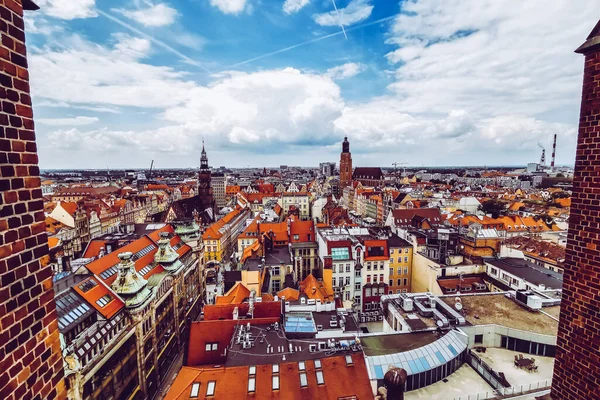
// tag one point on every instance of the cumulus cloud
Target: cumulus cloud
(151, 15)
(90, 74)
(355, 11)
(293, 6)
(76, 121)
(345, 71)
(68, 9)
(229, 6)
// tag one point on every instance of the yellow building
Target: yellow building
(220, 237)
(401, 258)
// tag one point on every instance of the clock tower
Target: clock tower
(205, 197)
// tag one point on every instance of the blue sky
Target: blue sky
(270, 82)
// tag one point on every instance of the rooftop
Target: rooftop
(528, 271)
(500, 310)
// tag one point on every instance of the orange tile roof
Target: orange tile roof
(212, 232)
(97, 292)
(93, 248)
(304, 230)
(340, 381)
(565, 203)
(53, 242)
(289, 294)
(314, 289)
(236, 295)
(69, 207)
(101, 265)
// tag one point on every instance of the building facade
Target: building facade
(205, 198)
(219, 183)
(123, 317)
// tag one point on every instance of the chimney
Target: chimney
(543, 159)
(553, 153)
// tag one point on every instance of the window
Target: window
(494, 271)
(405, 281)
(357, 286)
(349, 360)
(381, 278)
(368, 292)
(478, 338)
(392, 251)
(301, 366)
(212, 346)
(368, 266)
(341, 268)
(399, 259)
(104, 300)
(275, 368)
(275, 382)
(303, 380)
(334, 280)
(405, 270)
(391, 271)
(347, 267)
(210, 388)
(347, 280)
(320, 379)
(275, 271)
(296, 237)
(251, 384)
(195, 389)
(252, 370)
(406, 250)
(317, 363)
(405, 259)
(399, 282)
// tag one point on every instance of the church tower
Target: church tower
(206, 200)
(345, 165)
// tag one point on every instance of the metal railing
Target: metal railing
(506, 393)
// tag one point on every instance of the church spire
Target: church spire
(203, 158)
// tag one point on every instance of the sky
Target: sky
(118, 83)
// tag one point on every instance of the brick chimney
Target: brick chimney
(577, 369)
(31, 365)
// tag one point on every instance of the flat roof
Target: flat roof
(528, 271)
(380, 345)
(500, 310)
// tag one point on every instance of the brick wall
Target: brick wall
(30, 357)
(577, 367)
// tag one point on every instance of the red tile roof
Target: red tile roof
(97, 292)
(339, 381)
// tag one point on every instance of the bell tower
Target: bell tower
(345, 165)
(205, 191)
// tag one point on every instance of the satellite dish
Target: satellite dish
(458, 306)
(439, 323)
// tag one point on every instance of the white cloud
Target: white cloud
(68, 9)
(93, 75)
(356, 11)
(77, 121)
(345, 71)
(229, 6)
(151, 15)
(292, 6)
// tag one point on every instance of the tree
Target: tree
(493, 207)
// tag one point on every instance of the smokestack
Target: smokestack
(553, 153)
(543, 159)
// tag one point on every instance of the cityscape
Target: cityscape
(299, 242)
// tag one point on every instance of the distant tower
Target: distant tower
(553, 153)
(543, 159)
(206, 200)
(345, 165)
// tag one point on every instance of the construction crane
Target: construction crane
(396, 166)
(151, 166)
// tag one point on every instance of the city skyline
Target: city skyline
(271, 81)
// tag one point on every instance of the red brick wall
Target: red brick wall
(577, 367)
(30, 356)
